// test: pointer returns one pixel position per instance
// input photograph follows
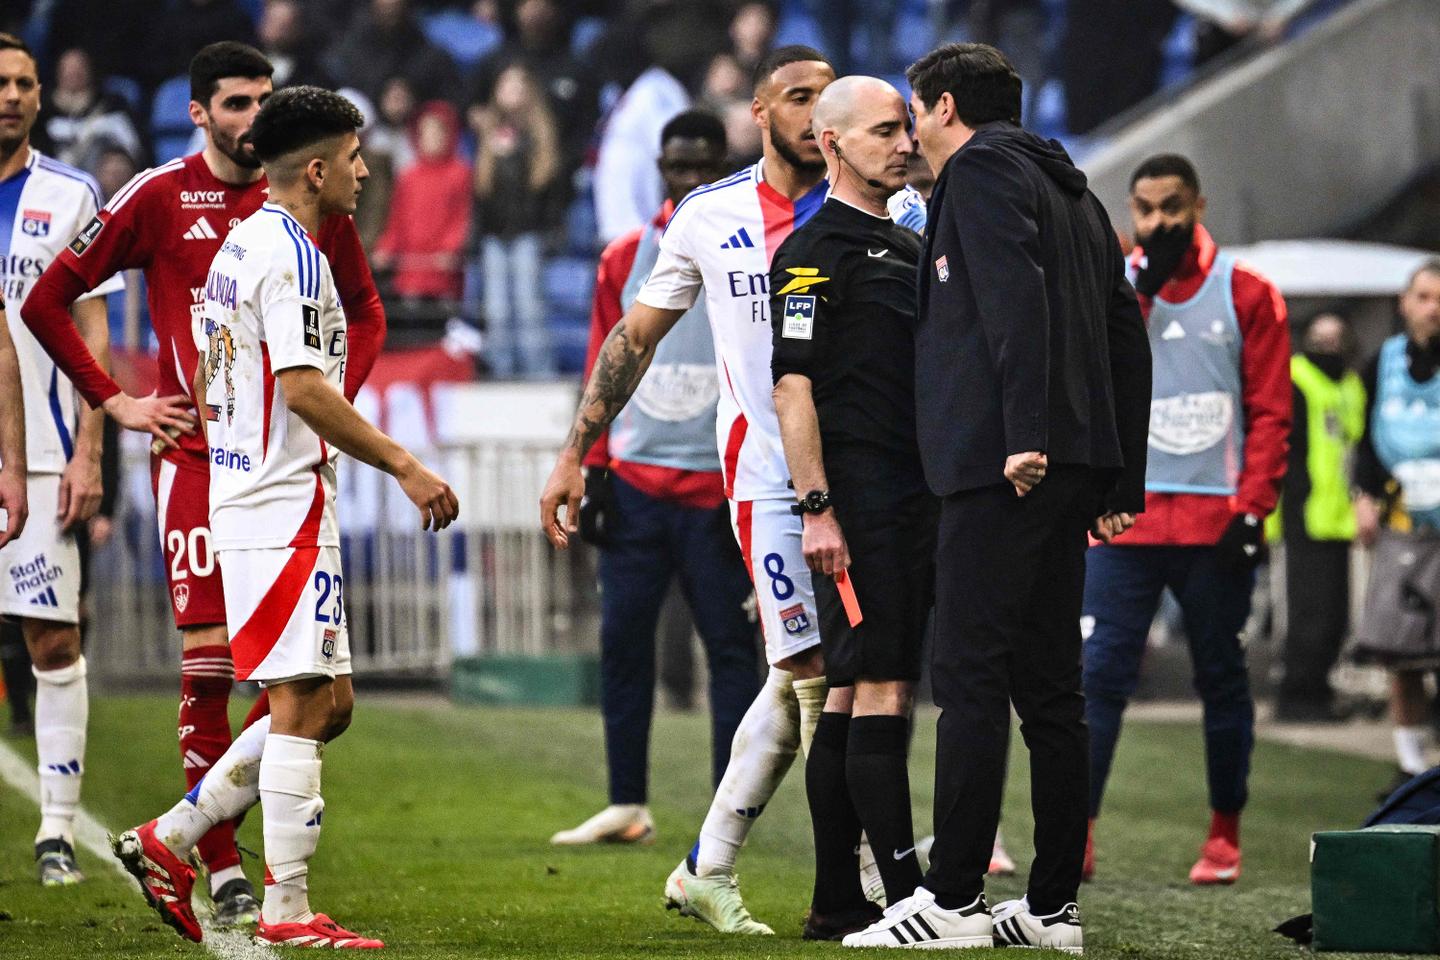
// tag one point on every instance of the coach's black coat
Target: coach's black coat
(1029, 336)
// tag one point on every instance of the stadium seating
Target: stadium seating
(170, 125)
(466, 39)
(126, 89)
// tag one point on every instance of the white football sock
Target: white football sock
(761, 753)
(812, 695)
(291, 805)
(62, 709)
(227, 790)
(1409, 749)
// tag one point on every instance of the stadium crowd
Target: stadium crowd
(451, 92)
(504, 151)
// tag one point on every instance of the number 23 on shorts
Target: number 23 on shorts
(326, 610)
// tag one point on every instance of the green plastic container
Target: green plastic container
(557, 680)
(1377, 890)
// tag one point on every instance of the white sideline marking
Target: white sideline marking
(92, 835)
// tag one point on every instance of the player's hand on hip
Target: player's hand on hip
(566, 487)
(436, 502)
(823, 544)
(164, 418)
(80, 491)
(13, 500)
(1111, 525)
(1025, 470)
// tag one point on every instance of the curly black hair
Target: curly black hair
(298, 117)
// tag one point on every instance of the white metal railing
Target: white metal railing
(491, 584)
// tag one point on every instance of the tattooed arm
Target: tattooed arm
(623, 359)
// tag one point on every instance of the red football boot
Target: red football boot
(321, 932)
(1219, 863)
(164, 878)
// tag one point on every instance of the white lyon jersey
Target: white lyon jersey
(270, 305)
(42, 207)
(723, 237)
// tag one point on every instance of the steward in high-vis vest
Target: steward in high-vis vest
(655, 507)
(1219, 422)
(1316, 520)
(1397, 511)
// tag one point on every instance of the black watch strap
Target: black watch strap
(816, 501)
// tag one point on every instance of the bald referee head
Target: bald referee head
(861, 125)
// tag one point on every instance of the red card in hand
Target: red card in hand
(848, 598)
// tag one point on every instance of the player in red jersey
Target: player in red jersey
(170, 221)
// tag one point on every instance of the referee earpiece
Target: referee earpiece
(835, 149)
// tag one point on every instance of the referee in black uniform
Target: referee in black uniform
(843, 311)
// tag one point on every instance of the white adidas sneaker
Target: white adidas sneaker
(1016, 926)
(917, 923)
(617, 823)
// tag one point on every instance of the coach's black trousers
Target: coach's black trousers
(1010, 575)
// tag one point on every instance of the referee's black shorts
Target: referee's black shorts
(891, 530)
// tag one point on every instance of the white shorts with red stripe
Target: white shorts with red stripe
(770, 541)
(285, 610)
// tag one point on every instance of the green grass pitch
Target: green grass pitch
(438, 819)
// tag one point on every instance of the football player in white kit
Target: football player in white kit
(721, 239)
(43, 203)
(273, 366)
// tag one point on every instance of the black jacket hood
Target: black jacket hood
(1048, 155)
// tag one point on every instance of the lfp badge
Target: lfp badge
(35, 223)
(798, 317)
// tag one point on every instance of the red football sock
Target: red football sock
(206, 676)
(1225, 825)
(258, 709)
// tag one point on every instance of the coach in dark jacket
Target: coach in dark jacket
(1032, 402)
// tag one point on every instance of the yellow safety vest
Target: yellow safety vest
(1334, 423)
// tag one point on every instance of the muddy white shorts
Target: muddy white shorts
(285, 609)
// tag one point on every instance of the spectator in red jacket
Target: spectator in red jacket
(1219, 428)
(429, 211)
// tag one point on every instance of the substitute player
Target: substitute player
(42, 204)
(170, 221)
(276, 422)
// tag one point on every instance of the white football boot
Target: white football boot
(617, 823)
(713, 899)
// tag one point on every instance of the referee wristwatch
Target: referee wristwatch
(816, 501)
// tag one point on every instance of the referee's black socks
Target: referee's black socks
(879, 780)
(833, 819)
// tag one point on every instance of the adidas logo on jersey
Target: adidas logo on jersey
(45, 598)
(738, 240)
(201, 230)
(193, 760)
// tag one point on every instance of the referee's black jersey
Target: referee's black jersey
(842, 309)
